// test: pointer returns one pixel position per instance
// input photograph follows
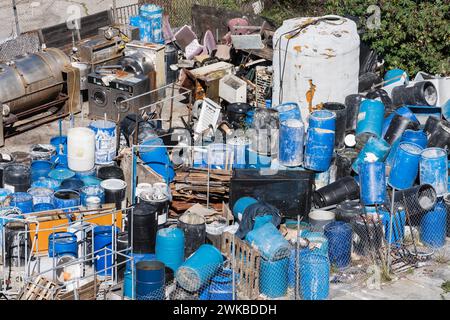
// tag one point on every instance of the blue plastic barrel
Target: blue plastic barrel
(292, 269)
(91, 181)
(72, 184)
(402, 111)
(434, 169)
(40, 169)
(339, 235)
(66, 199)
(319, 149)
(103, 238)
(154, 154)
(319, 241)
(128, 284)
(375, 149)
(289, 111)
(395, 234)
(62, 243)
(405, 166)
(43, 207)
(370, 118)
(418, 137)
(139, 257)
(199, 268)
(395, 75)
(46, 183)
(314, 276)
(241, 205)
(150, 279)
(372, 182)
(60, 143)
(23, 201)
(292, 136)
(269, 241)
(240, 149)
(105, 141)
(322, 119)
(433, 226)
(92, 194)
(61, 174)
(152, 21)
(170, 247)
(220, 287)
(41, 195)
(273, 277)
(83, 174)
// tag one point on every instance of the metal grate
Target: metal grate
(26, 43)
(264, 77)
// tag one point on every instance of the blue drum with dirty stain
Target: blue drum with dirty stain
(199, 268)
(64, 198)
(61, 174)
(314, 276)
(269, 241)
(322, 119)
(370, 118)
(394, 235)
(319, 149)
(105, 141)
(40, 169)
(403, 111)
(62, 243)
(41, 195)
(418, 137)
(46, 183)
(103, 239)
(23, 201)
(152, 23)
(154, 154)
(241, 205)
(60, 143)
(433, 228)
(405, 166)
(170, 247)
(220, 288)
(89, 192)
(375, 149)
(43, 207)
(273, 281)
(372, 182)
(150, 279)
(289, 111)
(292, 136)
(434, 169)
(319, 241)
(339, 235)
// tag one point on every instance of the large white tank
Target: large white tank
(324, 54)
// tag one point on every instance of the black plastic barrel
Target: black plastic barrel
(145, 129)
(340, 110)
(440, 138)
(237, 113)
(194, 228)
(352, 103)
(344, 161)
(385, 99)
(5, 160)
(349, 210)
(143, 220)
(17, 177)
(422, 93)
(171, 54)
(115, 191)
(431, 125)
(162, 208)
(367, 81)
(336, 192)
(397, 127)
(370, 235)
(17, 244)
(416, 200)
(110, 172)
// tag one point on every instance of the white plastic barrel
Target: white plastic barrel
(322, 57)
(81, 149)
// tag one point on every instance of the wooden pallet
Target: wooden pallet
(246, 265)
(87, 291)
(39, 289)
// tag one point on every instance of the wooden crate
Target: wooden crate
(246, 265)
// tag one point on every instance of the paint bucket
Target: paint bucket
(81, 149)
(289, 111)
(322, 119)
(292, 135)
(269, 242)
(62, 243)
(374, 150)
(397, 128)
(170, 247)
(220, 288)
(61, 174)
(154, 154)
(405, 166)
(115, 191)
(241, 205)
(43, 207)
(23, 201)
(40, 169)
(92, 197)
(60, 144)
(46, 183)
(144, 220)
(336, 192)
(72, 184)
(110, 172)
(340, 110)
(339, 235)
(41, 195)
(394, 235)
(105, 141)
(434, 169)
(17, 177)
(352, 102)
(150, 279)
(103, 239)
(194, 229)
(199, 268)
(42, 152)
(372, 181)
(63, 199)
(370, 118)
(433, 226)
(319, 149)
(273, 281)
(318, 219)
(314, 276)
